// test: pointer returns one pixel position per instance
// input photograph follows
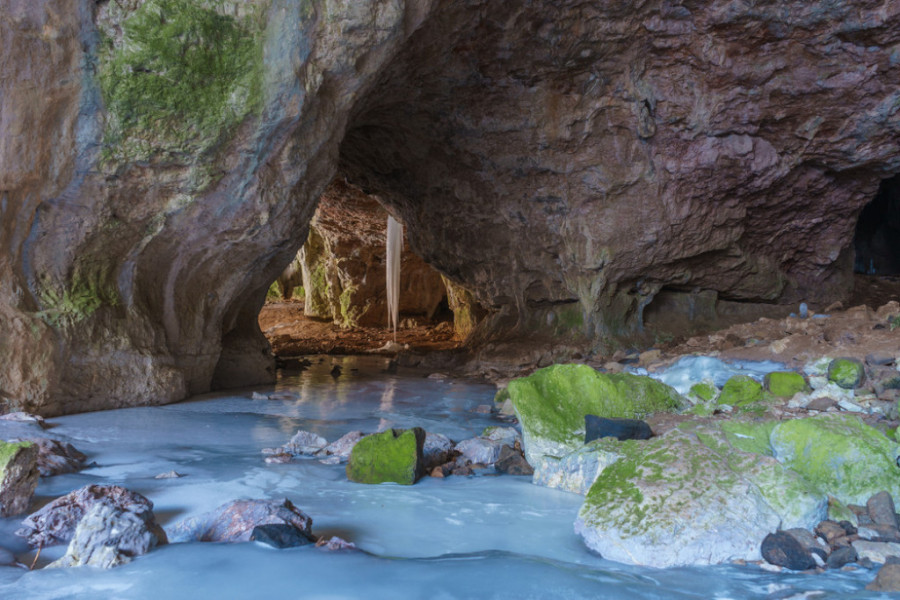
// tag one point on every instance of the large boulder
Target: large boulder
(56, 522)
(235, 521)
(108, 536)
(18, 476)
(551, 404)
(690, 497)
(390, 456)
(576, 471)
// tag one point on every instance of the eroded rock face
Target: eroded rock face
(562, 161)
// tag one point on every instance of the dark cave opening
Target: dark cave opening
(877, 238)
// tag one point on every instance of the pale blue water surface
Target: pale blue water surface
(479, 537)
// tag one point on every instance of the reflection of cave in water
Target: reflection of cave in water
(387, 404)
(877, 239)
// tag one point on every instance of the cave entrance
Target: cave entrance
(876, 244)
(332, 298)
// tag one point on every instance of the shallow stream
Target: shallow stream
(475, 537)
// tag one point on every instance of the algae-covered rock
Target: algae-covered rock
(848, 373)
(18, 476)
(741, 391)
(785, 384)
(394, 455)
(705, 391)
(689, 497)
(840, 455)
(551, 404)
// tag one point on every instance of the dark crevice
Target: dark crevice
(877, 239)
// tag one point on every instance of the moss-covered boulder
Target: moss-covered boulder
(394, 456)
(18, 476)
(705, 391)
(848, 373)
(840, 455)
(741, 391)
(551, 404)
(691, 497)
(785, 384)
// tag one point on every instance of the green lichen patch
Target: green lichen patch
(785, 384)
(87, 292)
(847, 373)
(704, 391)
(552, 402)
(840, 455)
(182, 77)
(390, 456)
(749, 436)
(741, 391)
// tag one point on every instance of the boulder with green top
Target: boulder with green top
(690, 497)
(741, 391)
(702, 392)
(551, 404)
(785, 384)
(394, 456)
(18, 476)
(840, 455)
(848, 373)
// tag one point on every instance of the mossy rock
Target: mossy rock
(551, 404)
(704, 391)
(840, 455)
(847, 373)
(501, 396)
(690, 497)
(18, 476)
(394, 456)
(785, 384)
(740, 391)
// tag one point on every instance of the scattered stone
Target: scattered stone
(279, 535)
(440, 471)
(877, 552)
(809, 541)
(108, 536)
(478, 450)
(169, 475)
(887, 579)
(56, 522)
(236, 520)
(613, 367)
(879, 360)
(881, 509)
(596, 428)
(394, 455)
(342, 447)
(437, 450)
(783, 549)
(24, 417)
(841, 556)
(504, 435)
(305, 443)
(830, 531)
(785, 384)
(848, 373)
(56, 458)
(882, 533)
(279, 458)
(18, 476)
(822, 404)
(512, 462)
(649, 357)
(335, 543)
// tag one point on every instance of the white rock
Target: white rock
(575, 472)
(877, 552)
(305, 443)
(436, 450)
(504, 435)
(479, 450)
(339, 450)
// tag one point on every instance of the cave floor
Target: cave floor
(291, 333)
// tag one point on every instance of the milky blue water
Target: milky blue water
(479, 537)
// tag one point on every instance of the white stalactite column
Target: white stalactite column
(394, 249)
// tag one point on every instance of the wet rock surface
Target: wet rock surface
(235, 521)
(18, 476)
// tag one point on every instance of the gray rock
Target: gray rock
(341, 448)
(782, 549)
(279, 535)
(56, 457)
(107, 536)
(504, 435)
(56, 522)
(879, 359)
(841, 556)
(877, 552)
(479, 450)
(18, 476)
(235, 521)
(305, 443)
(821, 404)
(512, 462)
(437, 450)
(809, 541)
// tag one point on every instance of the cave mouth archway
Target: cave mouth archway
(877, 238)
(332, 297)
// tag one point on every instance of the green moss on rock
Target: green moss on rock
(847, 373)
(840, 455)
(740, 391)
(703, 391)
(390, 456)
(552, 402)
(749, 436)
(18, 476)
(785, 384)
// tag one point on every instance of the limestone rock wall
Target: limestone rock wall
(160, 161)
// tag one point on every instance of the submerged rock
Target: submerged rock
(236, 520)
(56, 522)
(551, 404)
(390, 456)
(279, 535)
(18, 476)
(108, 536)
(690, 497)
